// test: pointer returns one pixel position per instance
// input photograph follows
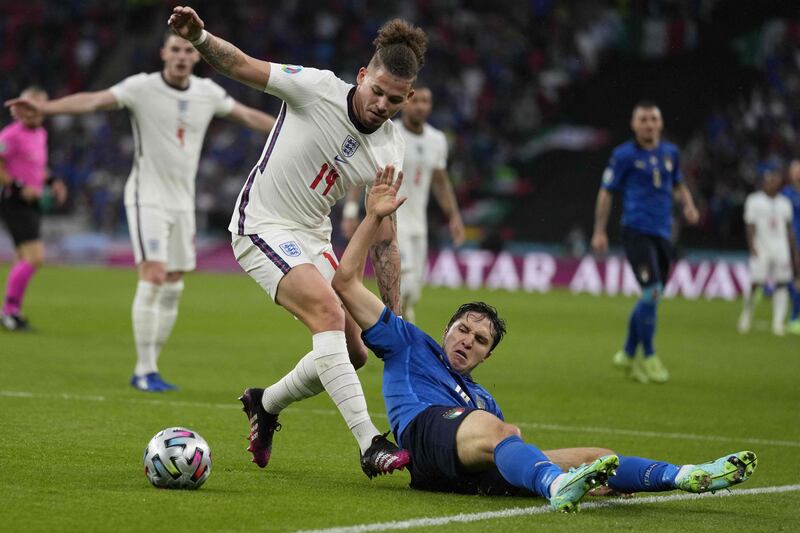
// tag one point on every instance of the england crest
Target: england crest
(291, 249)
(349, 146)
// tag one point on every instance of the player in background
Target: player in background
(772, 246)
(425, 165)
(23, 176)
(330, 136)
(454, 428)
(646, 170)
(792, 192)
(170, 111)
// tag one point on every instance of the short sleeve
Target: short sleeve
(389, 335)
(789, 210)
(223, 103)
(441, 161)
(127, 90)
(677, 176)
(298, 86)
(614, 174)
(750, 210)
(6, 142)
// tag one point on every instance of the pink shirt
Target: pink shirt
(24, 151)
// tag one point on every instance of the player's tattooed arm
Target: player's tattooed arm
(385, 257)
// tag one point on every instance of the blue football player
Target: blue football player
(453, 427)
(646, 171)
(792, 192)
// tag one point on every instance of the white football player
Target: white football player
(771, 243)
(170, 111)
(329, 136)
(425, 169)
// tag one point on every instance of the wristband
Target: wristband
(350, 210)
(200, 40)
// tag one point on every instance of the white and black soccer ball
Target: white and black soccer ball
(177, 458)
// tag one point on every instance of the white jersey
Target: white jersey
(425, 152)
(770, 216)
(169, 125)
(316, 151)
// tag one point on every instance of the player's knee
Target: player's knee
(596, 453)
(328, 315)
(506, 430)
(153, 272)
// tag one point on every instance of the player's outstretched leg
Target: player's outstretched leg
(383, 457)
(262, 426)
(720, 474)
(574, 485)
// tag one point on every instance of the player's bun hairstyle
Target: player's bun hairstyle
(400, 49)
(482, 308)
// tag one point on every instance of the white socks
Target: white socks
(780, 305)
(301, 383)
(337, 375)
(144, 314)
(155, 308)
(326, 367)
(167, 312)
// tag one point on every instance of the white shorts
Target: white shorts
(162, 235)
(413, 262)
(764, 267)
(270, 255)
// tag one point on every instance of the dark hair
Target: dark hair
(645, 104)
(400, 48)
(482, 308)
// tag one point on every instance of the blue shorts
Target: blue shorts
(650, 256)
(431, 439)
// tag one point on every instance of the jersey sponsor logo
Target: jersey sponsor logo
(349, 146)
(452, 414)
(291, 248)
(291, 69)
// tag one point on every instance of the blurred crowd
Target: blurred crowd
(762, 124)
(498, 71)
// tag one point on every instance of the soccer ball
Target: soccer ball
(177, 458)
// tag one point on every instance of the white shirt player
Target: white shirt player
(314, 154)
(169, 126)
(424, 153)
(770, 216)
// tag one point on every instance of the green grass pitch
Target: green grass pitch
(72, 431)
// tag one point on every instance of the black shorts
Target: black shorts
(431, 439)
(650, 256)
(23, 219)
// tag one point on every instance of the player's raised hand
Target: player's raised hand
(186, 23)
(382, 200)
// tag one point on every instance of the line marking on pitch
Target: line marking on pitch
(316, 411)
(541, 509)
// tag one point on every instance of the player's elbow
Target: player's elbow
(341, 282)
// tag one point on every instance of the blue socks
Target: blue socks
(632, 341)
(795, 294)
(636, 474)
(525, 466)
(647, 325)
(642, 322)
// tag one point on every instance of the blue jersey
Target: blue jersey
(417, 374)
(794, 196)
(646, 179)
